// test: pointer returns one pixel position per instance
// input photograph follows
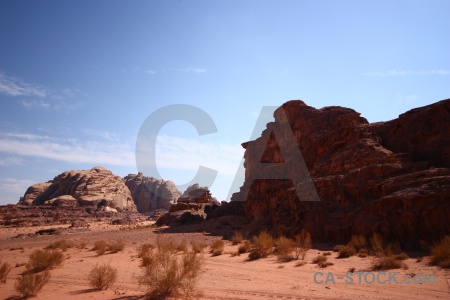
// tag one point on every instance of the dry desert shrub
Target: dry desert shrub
(167, 274)
(440, 253)
(103, 276)
(61, 244)
(358, 242)
(197, 247)
(181, 246)
(244, 247)
(30, 284)
(237, 238)
(263, 244)
(363, 252)
(100, 247)
(143, 249)
(217, 247)
(116, 246)
(4, 271)
(346, 251)
(302, 243)
(337, 248)
(321, 261)
(40, 260)
(284, 249)
(384, 258)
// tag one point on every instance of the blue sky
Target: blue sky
(78, 78)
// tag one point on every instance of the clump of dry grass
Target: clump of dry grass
(358, 242)
(300, 263)
(384, 258)
(244, 247)
(217, 247)
(102, 277)
(302, 243)
(167, 274)
(263, 244)
(143, 249)
(100, 247)
(4, 271)
(321, 261)
(363, 252)
(237, 238)
(197, 247)
(40, 260)
(337, 248)
(440, 253)
(181, 246)
(284, 247)
(30, 284)
(61, 244)
(346, 251)
(115, 246)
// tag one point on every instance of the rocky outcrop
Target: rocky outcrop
(97, 187)
(151, 194)
(389, 177)
(194, 205)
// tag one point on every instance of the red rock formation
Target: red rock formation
(95, 187)
(150, 194)
(389, 177)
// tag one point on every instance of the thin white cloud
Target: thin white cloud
(184, 154)
(54, 99)
(106, 135)
(150, 72)
(13, 86)
(13, 185)
(407, 72)
(193, 70)
(68, 150)
(10, 161)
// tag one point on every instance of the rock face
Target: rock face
(150, 194)
(390, 177)
(97, 187)
(194, 205)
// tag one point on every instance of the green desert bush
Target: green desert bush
(4, 271)
(102, 276)
(61, 244)
(346, 251)
(302, 243)
(237, 238)
(40, 260)
(440, 253)
(168, 274)
(217, 247)
(30, 284)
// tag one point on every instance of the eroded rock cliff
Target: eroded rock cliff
(150, 194)
(389, 177)
(97, 187)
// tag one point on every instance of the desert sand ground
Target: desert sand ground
(224, 276)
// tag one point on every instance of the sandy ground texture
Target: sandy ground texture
(224, 276)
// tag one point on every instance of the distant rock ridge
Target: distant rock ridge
(150, 194)
(387, 177)
(97, 187)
